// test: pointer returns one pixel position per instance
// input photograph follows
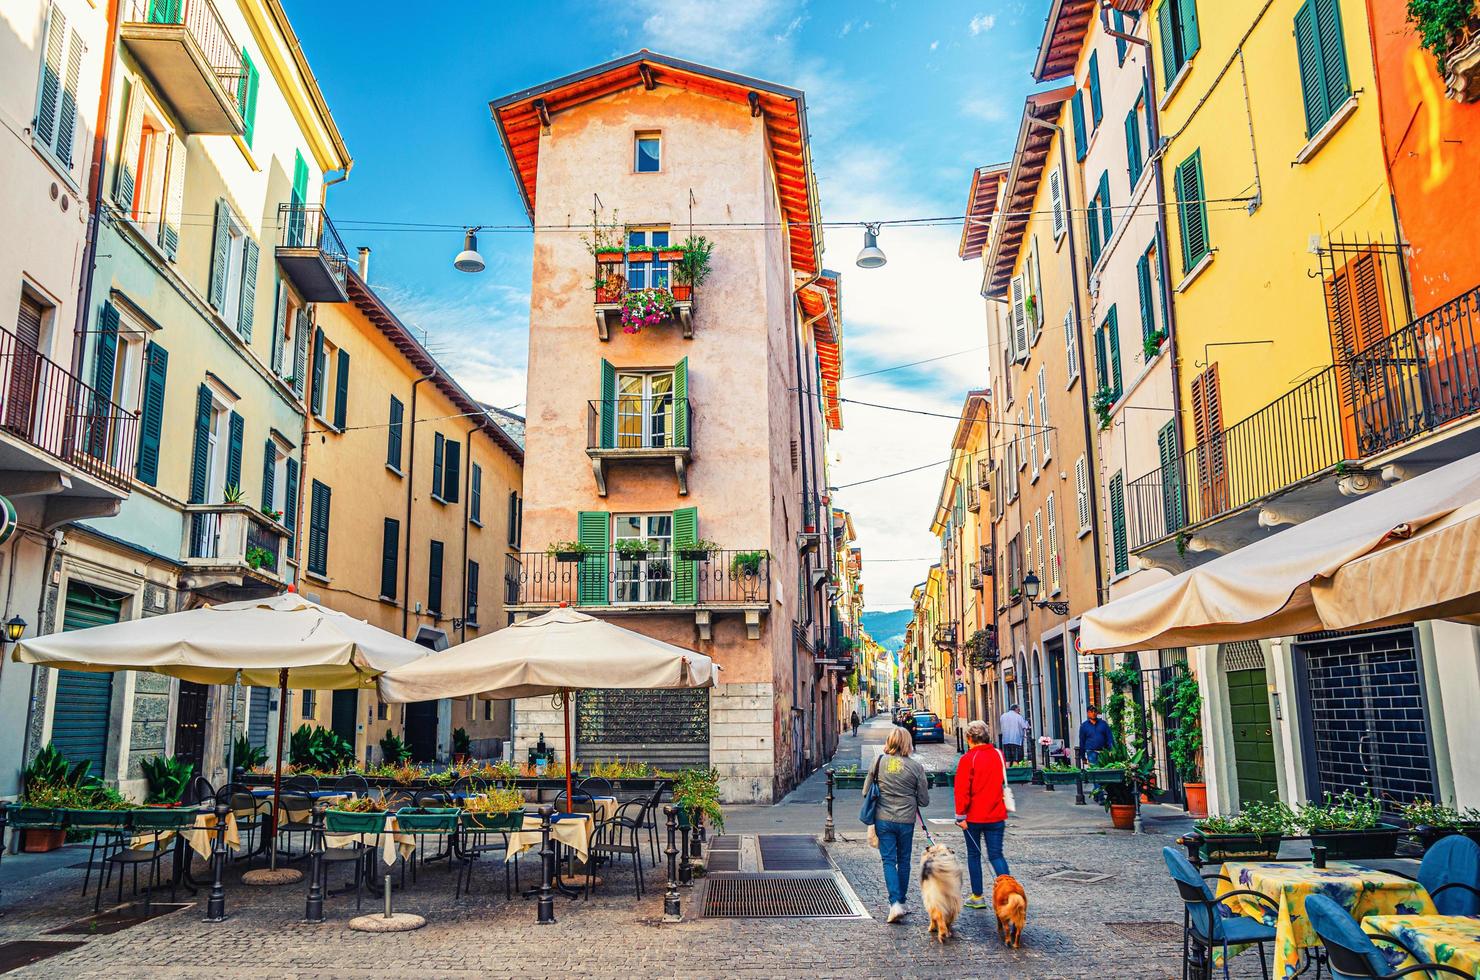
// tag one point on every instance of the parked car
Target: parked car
(928, 727)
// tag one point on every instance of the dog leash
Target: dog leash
(928, 835)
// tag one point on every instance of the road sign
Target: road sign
(960, 672)
(960, 688)
(1087, 663)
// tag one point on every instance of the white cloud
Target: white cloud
(987, 108)
(934, 45)
(718, 31)
(982, 23)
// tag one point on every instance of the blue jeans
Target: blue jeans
(1092, 756)
(895, 841)
(993, 833)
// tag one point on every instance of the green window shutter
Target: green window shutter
(316, 386)
(1076, 104)
(1117, 524)
(1107, 217)
(235, 429)
(269, 474)
(1133, 155)
(608, 405)
(1190, 38)
(434, 578)
(390, 552)
(1192, 211)
(250, 252)
(246, 97)
(164, 11)
(1143, 283)
(318, 528)
(452, 468)
(475, 495)
(151, 421)
(1118, 19)
(1096, 106)
(1092, 223)
(685, 571)
(299, 197)
(1168, 33)
(341, 390)
(439, 448)
(594, 530)
(1333, 54)
(220, 256)
(67, 113)
(1312, 73)
(279, 313)
(1112, 330)
(681, 403)
(1102, 359)
(201, 450)
(300, 178)
(1171, 478)
(290, 505)
(393, 437)
(105, 357)
(49, 94)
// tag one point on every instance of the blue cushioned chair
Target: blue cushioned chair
(1353, 955)
(1450, 873)
(1205, 926)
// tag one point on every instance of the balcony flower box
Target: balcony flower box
(639, 255)
(646, 307)
(610, 288)
(610, 255)
(670, 255)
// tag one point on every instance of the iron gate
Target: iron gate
(1158, 731)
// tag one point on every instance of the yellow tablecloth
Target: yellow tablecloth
(201, 837)
(1360, 890)
(391, 842)
(1453, 940)
(574, 831)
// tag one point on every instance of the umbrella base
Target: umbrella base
(379, 922)
(270, 876)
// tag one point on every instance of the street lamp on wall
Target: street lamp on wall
(15, 628)
(1032, 586)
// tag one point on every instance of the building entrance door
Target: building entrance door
(1253, 737)
(190, 725)
(344, 716)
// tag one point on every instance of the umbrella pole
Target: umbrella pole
(569, 797)
(236, 688)
(277, 781)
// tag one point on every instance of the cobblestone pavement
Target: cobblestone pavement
(1074, 930)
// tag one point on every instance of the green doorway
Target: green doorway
(1253, 736)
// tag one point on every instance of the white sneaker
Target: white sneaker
(896, 912)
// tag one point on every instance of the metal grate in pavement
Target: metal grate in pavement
(770, 896)
(117, 919)
(1078, 877)
(1147, 932)
(24, 952)
(792, 852)
(725, 842)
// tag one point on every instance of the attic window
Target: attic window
(648, 153)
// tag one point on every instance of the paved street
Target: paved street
(1124, 926)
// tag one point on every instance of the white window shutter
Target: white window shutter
(1032, 434)
(1081, 491)
(1038, 537)
(1056, 198)
(1044, 432)
(1053, 542)
(174, 199)
(1019, 319)
(1035, 287)
(1071, 346)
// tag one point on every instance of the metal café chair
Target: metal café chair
(352, 783)
(295, 817)
(154, 824)
(621, 834)
(1353, 955)
(1204, 925)
(250, 812)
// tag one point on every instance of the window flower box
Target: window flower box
(610, 255)
(670, 255)
(640, 255)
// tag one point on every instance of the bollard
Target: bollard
(1079, 799)
(216, 904)
(827, 828)
(1193, 842)
(546, 914)
(313, 910)
(672, 909)
(685, 869)
(697, 836)
(4, 816)
(386, 880)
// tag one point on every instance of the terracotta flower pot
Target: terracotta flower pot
(670, 255)
(1123, 816)
(1197, 799)
(38, 841)
(682, 291)
(610, 255)
(637, 256)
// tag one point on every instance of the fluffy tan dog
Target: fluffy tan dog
(1010, 903)
(940, 889)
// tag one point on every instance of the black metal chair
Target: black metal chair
(471, 843)
(428, 798)
(305, 783)
(466, 786)
(1205, 927)
(1353, 955)
(595, 786)
(295, 816)
(150, 828)
(580, 803)
(250, 812)
(198, 790)
(653, 805)
(357, 854)
(352, 783)
(619, 835)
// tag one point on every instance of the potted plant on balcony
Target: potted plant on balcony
(645, 307)
(1151, 345)
(568, 552)
(607, 241)
(1450, 29)
(747, 566)
(634, 549)
(1349, 826)
(1030, 306)
(698, 551)
(272, 515)
(1180, 702)
(1104, 400)
(609, 286)
(258, 557)
(693, 269)
(670, 253)
(462, 746)
(233, 494)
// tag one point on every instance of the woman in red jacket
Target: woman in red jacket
(980, 811)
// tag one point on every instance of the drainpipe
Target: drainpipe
(410, 491)
(804, 464)
(1089, 435)
(467, 513)
(95, 190)
(1163, 249)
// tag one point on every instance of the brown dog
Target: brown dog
(940, 889)
(1011, 905)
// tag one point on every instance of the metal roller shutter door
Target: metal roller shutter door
(79, 721)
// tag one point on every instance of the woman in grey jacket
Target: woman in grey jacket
(903, 790)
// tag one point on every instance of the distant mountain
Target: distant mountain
(887, 627)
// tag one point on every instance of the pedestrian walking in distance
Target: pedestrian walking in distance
(981, 811)
(1094, 736)
(1014, 733)
(903, 790)
(855, 723)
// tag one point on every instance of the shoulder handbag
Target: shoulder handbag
(1008, 800)
(868, 812)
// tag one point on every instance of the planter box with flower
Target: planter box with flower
(568, 552)
(635, 549)
(1254, 834)
(499, 809)
(1349, 826)
(361, 815)
(1432, 822)
(1020, 772)
(1059, 774)
(654, 305)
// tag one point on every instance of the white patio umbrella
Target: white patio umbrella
(283, 640)
(556, 653)
(1283, 585)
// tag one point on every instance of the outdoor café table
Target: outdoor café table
(1362, 891)
(201, 837)
(571, 829)
(1453, 940)
(391, 842)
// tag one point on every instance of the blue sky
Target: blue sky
(904, 99)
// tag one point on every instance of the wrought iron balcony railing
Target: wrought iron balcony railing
(187, 50)
(236, 535)
(1417, 379)
(613, 579)
(49, 408)
(311, 253)
(637, 424)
